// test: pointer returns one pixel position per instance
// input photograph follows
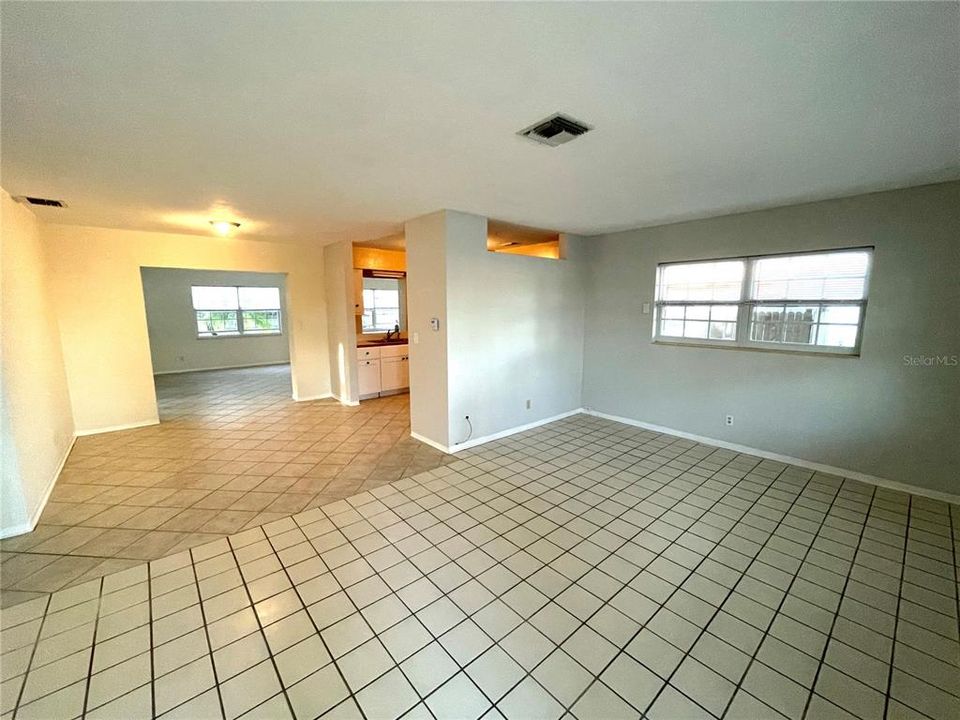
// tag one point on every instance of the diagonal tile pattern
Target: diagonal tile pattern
(583, 569)
(233, 451)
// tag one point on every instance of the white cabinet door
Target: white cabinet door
(394, 373)
(394, 351)
(368, 374)
(358, 292)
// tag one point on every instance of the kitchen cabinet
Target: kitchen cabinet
(368, 376)
(358, 292)
(383, 370)
(394, 373)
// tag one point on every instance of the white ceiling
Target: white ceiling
(327, 121)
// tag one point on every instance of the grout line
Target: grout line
(610, 553)
(93, 647)
(836, 613)
(507, 462)
(306, 609)
(896, 621)
(153, 674)
(951, 509)
(206, 634)
(263, 637)
(730, 591)
(423, 575)
(33, 652)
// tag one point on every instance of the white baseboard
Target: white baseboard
(473, 442)
(431, 443)
(115, 428)
(28, 526)
(457, 447)
(308, 398)
(800, 462)
(348, 403)
(180, 371)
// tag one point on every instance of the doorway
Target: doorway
(218, 341)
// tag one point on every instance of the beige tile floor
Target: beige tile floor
(584, 569)
(232, 451)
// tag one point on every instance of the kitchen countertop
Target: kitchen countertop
(381, 343)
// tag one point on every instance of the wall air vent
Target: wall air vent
(44, 202)
(555, 130)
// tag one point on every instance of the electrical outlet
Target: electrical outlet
(728, 420)
(529, 404)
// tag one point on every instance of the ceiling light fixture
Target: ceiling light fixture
(224, 227)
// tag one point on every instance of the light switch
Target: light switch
(435, 324)
(416, 338)
(646, 308)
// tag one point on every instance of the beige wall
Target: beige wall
(878, 414)
(341, 332)
(98, 295)
(37, 424)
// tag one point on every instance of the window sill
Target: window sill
(245, 336)
(748, 348)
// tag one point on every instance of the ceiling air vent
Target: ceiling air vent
(45, 202)
(555, 130)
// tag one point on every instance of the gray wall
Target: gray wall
(515, 332)
(511, 330)
(174, 345)
(876, 414)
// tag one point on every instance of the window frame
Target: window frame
(238, 314)
(401, 320)
(746, 305)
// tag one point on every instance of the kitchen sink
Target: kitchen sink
(374, 343)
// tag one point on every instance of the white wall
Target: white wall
(426, 241)
(511, 330)
(172, 327)
(98, 294)
(875, 414)
(36, 424)
(341, 328)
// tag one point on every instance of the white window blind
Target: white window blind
(806, 301)
(381, 304)
(230, 311)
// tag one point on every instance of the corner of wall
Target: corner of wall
(341, 327)
(37, 415)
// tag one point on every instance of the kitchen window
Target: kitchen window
(382, 304)
(813, 302)
(234, 311)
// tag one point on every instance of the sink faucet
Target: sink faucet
(395, 332)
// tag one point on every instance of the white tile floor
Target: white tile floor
(585, 569)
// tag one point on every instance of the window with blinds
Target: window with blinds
(812, 301)
(231, 311)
